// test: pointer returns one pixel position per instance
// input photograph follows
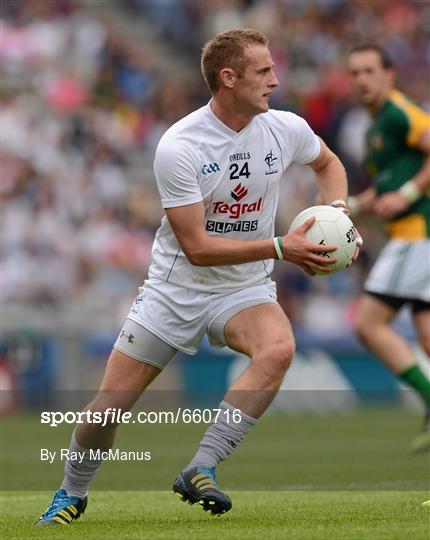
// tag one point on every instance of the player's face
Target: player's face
(253, 89)
(370, 80)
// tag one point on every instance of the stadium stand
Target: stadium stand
(85, 98)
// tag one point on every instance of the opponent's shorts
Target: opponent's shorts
(402, 270)
(394, 302)
(165, 318)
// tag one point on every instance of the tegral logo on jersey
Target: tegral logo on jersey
(270, 160)
(236, 210)
(239, 192)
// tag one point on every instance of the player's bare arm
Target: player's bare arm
(330, 175)
(396, 202)
(202, 249)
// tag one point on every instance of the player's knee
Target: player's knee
(278, 358)
(363, 328)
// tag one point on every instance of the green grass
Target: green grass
(308, 477)
(255, 515)
(363, 450)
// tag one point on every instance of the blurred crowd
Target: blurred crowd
(84, 105)
(80, 107)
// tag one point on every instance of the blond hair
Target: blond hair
(227, 50)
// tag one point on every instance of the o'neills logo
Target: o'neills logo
(235, 210)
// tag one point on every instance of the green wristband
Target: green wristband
(281, 244)
(278, 242)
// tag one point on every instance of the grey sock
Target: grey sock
(222, 436)
(79, 472)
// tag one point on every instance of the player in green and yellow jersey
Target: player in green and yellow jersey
(398, 165)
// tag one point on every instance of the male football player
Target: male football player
(398, 165)
(218, 172)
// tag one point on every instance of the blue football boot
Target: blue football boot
(63, 509)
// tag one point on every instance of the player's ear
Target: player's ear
(228, 77)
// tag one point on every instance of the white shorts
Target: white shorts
(180, 317)
(402, 270)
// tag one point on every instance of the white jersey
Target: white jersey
(236, 175)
